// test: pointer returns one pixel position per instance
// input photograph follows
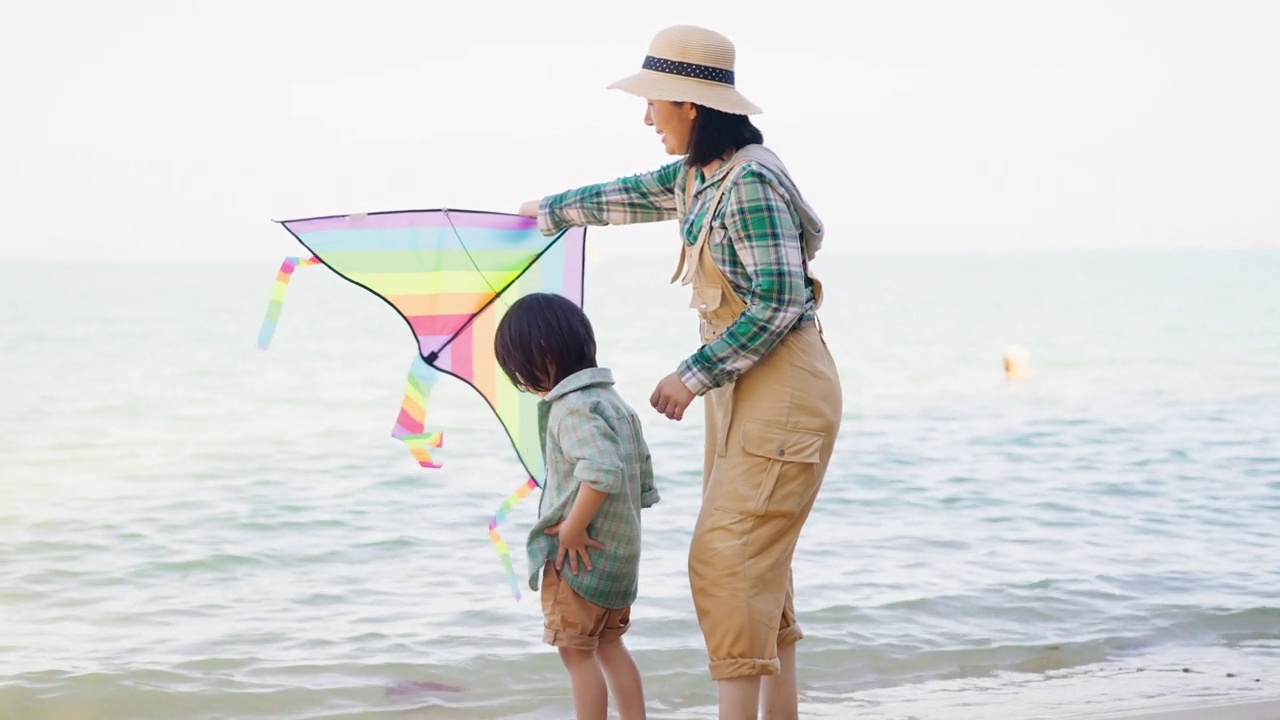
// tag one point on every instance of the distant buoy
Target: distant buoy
(1017, 362)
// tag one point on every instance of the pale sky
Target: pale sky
(179, 130)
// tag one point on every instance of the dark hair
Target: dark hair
(543, 339)
(717, 133)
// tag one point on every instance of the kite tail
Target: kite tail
(277, 297)
(499, 544)
(420, 447)
(410, 423)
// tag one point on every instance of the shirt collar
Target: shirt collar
(579, 380)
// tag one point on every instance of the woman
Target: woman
(771, 391)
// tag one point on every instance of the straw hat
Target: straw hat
(687, 63)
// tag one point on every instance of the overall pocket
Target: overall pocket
(709, 302)
(706, 299)
(772, 473)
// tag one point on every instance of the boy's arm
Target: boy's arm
(648, 490)
(593, 447)
(584, 508)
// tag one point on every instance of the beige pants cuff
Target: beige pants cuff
(752, 667)
(790, 635)
(744, 667)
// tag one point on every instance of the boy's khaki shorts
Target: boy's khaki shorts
(572, 622)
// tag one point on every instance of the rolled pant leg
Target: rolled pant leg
(789, 631)
(740, 560)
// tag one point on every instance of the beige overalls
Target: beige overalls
(769, 439)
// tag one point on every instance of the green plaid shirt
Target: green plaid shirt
(590, 435)
(755, 241)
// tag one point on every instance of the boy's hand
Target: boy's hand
(574, 543)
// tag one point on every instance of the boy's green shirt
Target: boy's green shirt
(591, 435)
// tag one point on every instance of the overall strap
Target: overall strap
(682, 272)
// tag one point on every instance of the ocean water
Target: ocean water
(192, 528)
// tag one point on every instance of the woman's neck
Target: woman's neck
(714, 165)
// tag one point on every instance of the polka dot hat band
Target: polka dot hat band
(684, 69)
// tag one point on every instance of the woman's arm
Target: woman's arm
(647, 197)
(767, 242)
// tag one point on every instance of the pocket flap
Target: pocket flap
(782, 443)
(705, 298)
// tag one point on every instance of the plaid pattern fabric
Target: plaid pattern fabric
(755, 241)
(590, 435)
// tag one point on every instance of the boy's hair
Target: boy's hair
(717, 133)
(543, 339)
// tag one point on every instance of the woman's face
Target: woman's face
(674, 123)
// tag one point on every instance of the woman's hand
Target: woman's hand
(530, 209)
(671, 397)
(573, 543)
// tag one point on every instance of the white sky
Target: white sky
(180, 130)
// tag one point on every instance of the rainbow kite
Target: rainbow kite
(451, 274)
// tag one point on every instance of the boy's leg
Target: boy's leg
(590, 694)
(624, 677)
(572, 626)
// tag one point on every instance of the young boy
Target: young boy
(599, 477)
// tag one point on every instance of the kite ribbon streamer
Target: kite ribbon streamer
(499, 544)
(413, 414)
(277, 297)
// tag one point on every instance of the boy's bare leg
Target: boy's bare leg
(624, 678)
(590, 695)
(779, 694)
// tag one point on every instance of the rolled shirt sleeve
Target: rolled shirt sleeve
(594, 449)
